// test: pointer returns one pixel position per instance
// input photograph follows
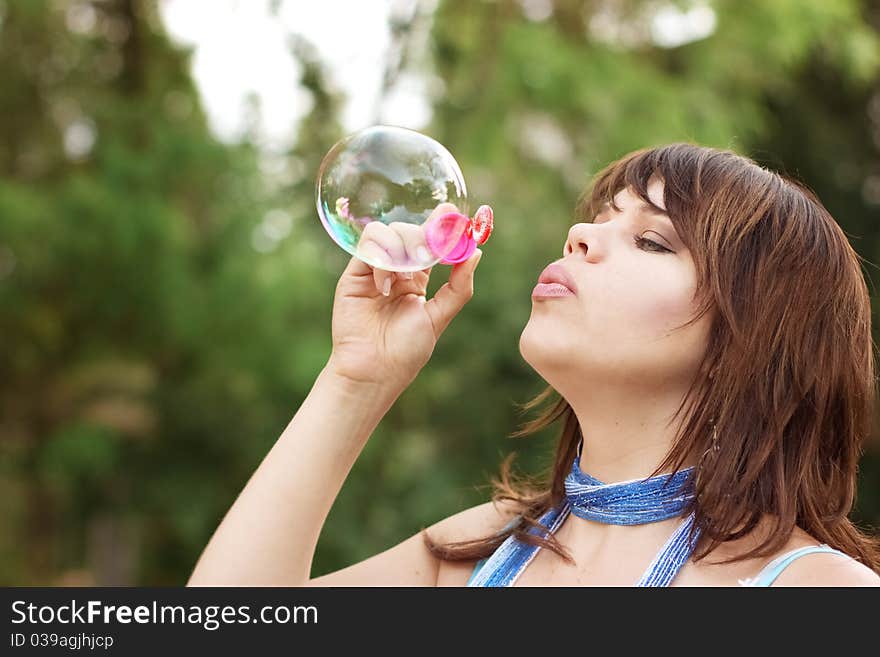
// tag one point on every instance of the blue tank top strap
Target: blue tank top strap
(476, 569)
(512, 523)
(480, 563)
(773, 569)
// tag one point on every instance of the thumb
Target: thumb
(453, 294)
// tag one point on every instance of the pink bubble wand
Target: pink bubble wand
(453, 237)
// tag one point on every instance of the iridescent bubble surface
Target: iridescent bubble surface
(394, 198)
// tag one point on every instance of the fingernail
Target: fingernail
(386, 286)
(422, 254)
(407, 274)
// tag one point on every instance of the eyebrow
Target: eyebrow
(643, 207)
(646, 208)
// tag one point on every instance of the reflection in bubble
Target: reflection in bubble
(385, 191)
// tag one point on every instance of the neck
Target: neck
(626, 435)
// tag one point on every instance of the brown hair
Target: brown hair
(788, 377)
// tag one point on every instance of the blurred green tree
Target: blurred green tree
(166, 297)
(149, 316)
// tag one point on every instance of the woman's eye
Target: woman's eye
(642, 243)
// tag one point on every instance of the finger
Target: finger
(357, 267)
(380, 276)
(444, 233)
(383, 280)
(441, 209)
(391, 245)
(423, 253)
(414, 244)
(403, 277)
(454, 294)
(372, 252)
(375, 253)
(388, 240)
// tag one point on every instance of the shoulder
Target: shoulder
(808, 569)
(471, 524)
(411, 563)
(474, 523)
(822, 568)
(826, 569)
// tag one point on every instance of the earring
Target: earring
(714, 446)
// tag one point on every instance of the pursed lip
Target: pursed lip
(554, 273)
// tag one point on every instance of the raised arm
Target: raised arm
(269, 535)
(380, 343)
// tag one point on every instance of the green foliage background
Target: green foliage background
(151, 353)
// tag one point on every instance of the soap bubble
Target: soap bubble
(395, 199)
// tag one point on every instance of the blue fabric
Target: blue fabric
(512, 556)
(671, 557)
(636, 501)
(765, 578)
(476, 569)
(632, 502)
(773, 569)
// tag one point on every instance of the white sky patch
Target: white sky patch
(79, 138)
(663, 24)
(407, 104)
(673, 27)
(241, 48)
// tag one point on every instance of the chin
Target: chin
(544, 350)
(563, 361)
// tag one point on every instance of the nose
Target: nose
(578, 237)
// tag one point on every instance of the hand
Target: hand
(386, 340)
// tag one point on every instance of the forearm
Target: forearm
(269, 535)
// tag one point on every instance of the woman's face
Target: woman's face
(617, 327)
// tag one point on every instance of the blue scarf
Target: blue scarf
(633, 502)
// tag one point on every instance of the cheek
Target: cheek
(620, 326)
(656, 315)
(646, 332)
(638, 311)
(656, 300)
(636, 326)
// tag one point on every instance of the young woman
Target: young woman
(707, 343)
